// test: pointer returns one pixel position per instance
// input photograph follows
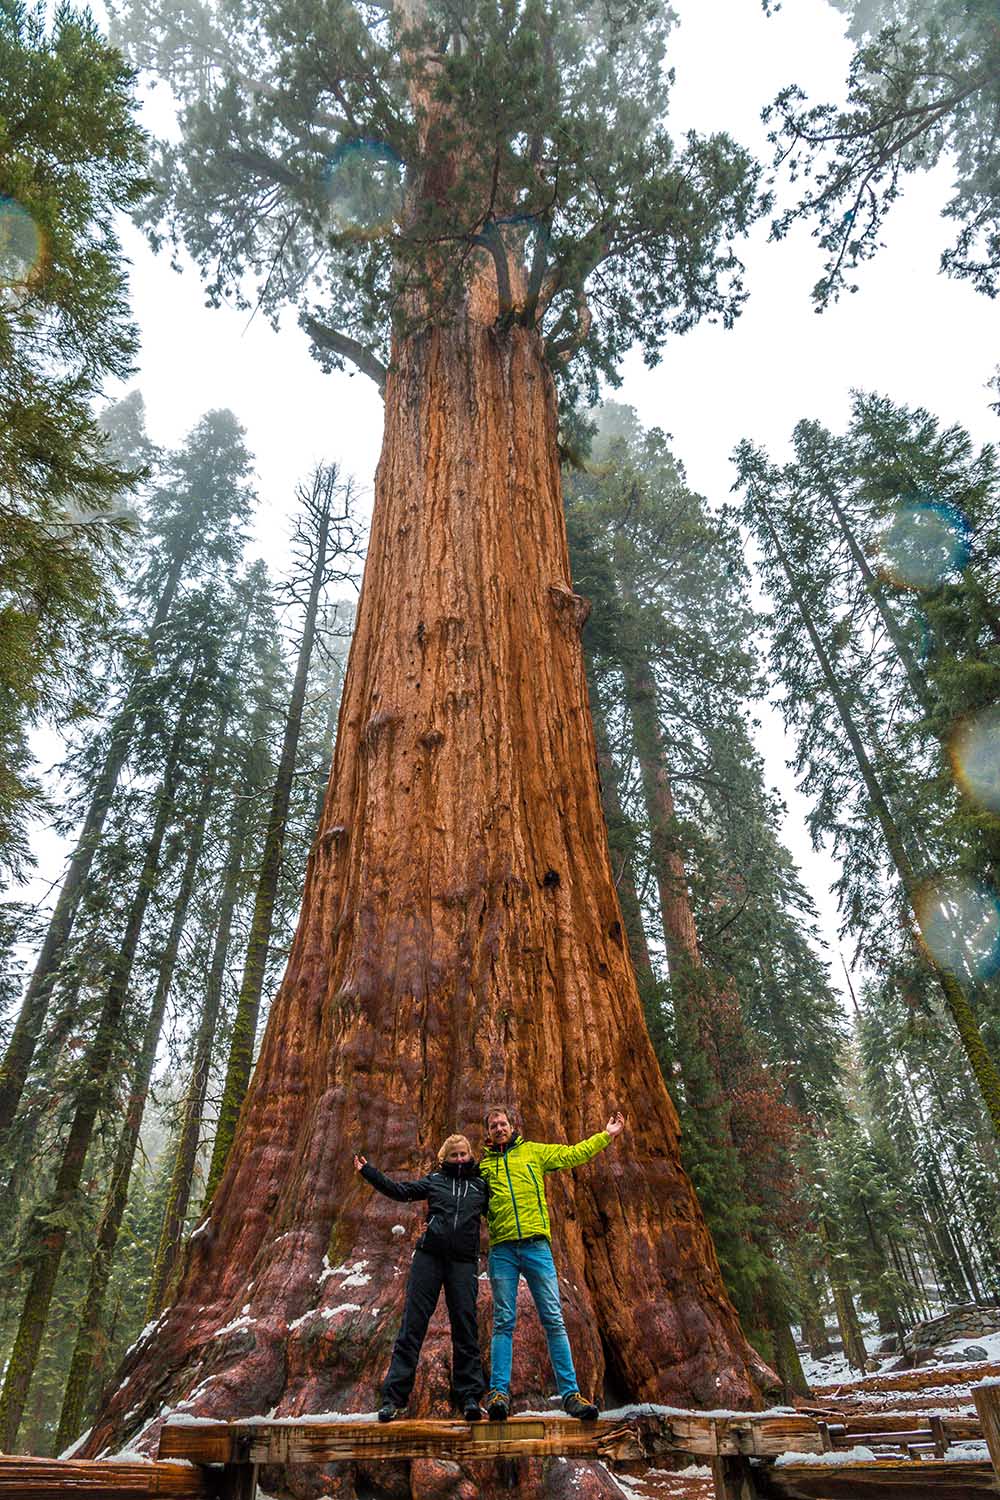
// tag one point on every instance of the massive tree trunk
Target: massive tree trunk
(460, 942)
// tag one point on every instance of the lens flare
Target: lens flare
(363, 182)
(926, 543)
(975, 757)
(22, 251)
(960, 926)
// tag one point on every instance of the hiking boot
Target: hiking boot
(498, 1406)
(472, 1411)
(576, 1406)
(388, 1413)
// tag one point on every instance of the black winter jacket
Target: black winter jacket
(456, 1200)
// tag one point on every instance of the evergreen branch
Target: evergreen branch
(265, 166)
(562, 350)
(347, 348)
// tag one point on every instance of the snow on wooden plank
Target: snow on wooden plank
(115, 1479)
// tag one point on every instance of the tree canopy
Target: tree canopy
(358, 161)
(71, 157)
(923, 86)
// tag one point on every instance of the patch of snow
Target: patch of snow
(75, 1446)
(149, 1329)
(972, 1448)
(693, 1471)
(241, 1322)
(188, 1419)
(398, 1229)
(329, 1312)
(651, 1409)
(357, 1278)
(315, 1417)
(328, 1270)
(201, 1228)
(197, 1391)
(842, 1456)
(990, 1380)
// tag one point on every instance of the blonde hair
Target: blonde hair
(450, 1145)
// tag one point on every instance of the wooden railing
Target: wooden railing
(223, 1458)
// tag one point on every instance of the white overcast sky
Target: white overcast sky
(909, 333)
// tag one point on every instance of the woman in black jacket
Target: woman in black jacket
(446, 1254)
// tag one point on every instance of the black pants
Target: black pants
(460, 1280)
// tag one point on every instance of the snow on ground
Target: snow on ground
(834, 1369)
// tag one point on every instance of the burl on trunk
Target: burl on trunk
(460, 942)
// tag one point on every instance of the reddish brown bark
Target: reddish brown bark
(460, 941)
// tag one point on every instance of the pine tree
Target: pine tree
(923, 86)
(71, 159)
(192, 535)
(252, 602)
(326, 545)
(809, 633)
(52, 1222)
(667, 639)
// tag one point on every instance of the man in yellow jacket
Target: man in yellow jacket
(518, 1221)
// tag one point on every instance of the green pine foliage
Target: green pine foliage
(669, 590)
(71, 158)
(924, 86)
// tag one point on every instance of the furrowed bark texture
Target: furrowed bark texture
(460, 941)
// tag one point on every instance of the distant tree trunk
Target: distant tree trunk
(52, 1226)
(982, 1065)
(772, 1314)
(31, 1017)
(916, 678)
(847, 1317)
(78, 1380)
(691, 987)
(329, 736)
(810, 1307)
(460, 940)
(244, 1033)
(618, 828)
(179, 1191)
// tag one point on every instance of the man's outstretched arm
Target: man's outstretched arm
(553, 1158)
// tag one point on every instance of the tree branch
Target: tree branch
(564, 349)
(492, 240)
(347, 348)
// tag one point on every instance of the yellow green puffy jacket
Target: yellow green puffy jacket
(516, 1180)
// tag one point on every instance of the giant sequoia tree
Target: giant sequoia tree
(460, 200)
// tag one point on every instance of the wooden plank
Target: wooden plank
(733, 1479)
(54, 1479)
(847, 1430)
(199, 1443)
(888, 1479)
(761, 1437)
(332, 1442)
(987, 1399)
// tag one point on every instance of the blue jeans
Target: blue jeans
(507, 1264)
